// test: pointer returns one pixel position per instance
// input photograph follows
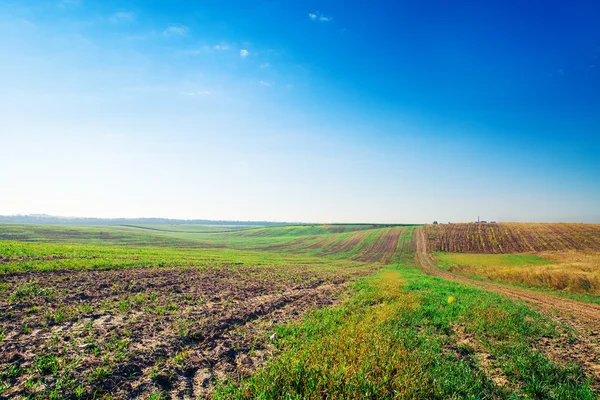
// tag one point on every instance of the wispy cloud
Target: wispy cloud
(176, 30)
(318, 17)
(122, 16)
(25, 23)
(265, 83)
(197, 94)
(206, 49)
(69, 3)
(265, 65)
(244, 53)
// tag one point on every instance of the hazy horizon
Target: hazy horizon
(75, 217)
(315, 111)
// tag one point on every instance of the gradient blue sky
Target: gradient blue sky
(320, 111)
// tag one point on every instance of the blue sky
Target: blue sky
(324, 111)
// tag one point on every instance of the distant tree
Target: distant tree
(435, 222)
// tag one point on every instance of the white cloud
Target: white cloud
(122, 16)
(176, 30)
(206, 49)
(318, 17)
(265, 65)
(266, 84)
(244, 53)
(196, 94)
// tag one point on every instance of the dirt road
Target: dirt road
(584, 317)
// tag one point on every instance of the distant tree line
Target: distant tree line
(50, 219)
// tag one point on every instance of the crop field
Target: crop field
(307, 311)
(102, 235)
(512, 237)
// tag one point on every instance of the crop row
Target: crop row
(512, 237)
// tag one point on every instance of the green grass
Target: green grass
(399, 336)
(29, 257)
(448, 260)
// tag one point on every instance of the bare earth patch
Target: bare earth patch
(134, 332)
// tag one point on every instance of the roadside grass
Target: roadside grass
(574, 274)
(406, 335)
(583, 297)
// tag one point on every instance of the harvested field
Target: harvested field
(512, 237)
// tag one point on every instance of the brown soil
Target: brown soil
(584, 317)
(478, 354)
(169, 330)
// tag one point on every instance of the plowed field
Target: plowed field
(92, 321)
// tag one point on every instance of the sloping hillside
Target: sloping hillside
(368, 243)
